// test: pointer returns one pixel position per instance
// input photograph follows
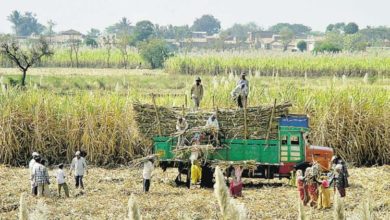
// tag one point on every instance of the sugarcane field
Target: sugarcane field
(194, 110)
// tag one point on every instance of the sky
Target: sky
(83, 15)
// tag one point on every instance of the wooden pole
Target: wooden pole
(157, 116)
(270, 121)
(213, 102)
(185, 100)
(245, 123)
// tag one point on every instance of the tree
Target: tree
(123, 42)
(338, 27)
(74, 47)
(26, 57)
(286, 35)
(240, 31)
(296, 28)
(25, 25)
(302, 45)
(92, 37)
(155, 51)
(143, 30)
(207, 23)
(49, 29)
(123, 26)
(326, 46)
(351, 28)
(355, 42)
(108, 42)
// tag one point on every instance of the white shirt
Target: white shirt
(148, 169)
(31, 165)
(79, 166)
(60, 176)
(212, 124)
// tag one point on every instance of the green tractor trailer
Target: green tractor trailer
(274, 158)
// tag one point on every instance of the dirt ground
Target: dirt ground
(108, 190)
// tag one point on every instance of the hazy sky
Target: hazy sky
(84, 14)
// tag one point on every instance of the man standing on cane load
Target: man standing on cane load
(80, 167)
(181, 126)
(241, 91)
(197, 93)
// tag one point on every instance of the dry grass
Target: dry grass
(107, 193)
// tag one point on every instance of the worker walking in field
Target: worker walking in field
(181, 127)
(197, 93)
(147, 174)
(40, 177)
(79, 166)
(35, 155)
(61, 181)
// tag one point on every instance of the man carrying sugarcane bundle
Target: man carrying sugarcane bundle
(241, 91)
(197, 93)
(181, 127)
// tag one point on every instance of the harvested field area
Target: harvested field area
(107, 193)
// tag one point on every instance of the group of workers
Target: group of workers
(239, 94)
(314, 190)
(40, 179)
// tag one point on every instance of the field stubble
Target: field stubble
(107, 193)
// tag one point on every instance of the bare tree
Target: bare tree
(74, 47)
(108, 42)
(25, 57)
(123, 42)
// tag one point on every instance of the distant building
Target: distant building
(65, 36)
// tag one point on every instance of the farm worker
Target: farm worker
(236, 184)
(213, 126)
(196, 172)
(337, 160)
(300, 184)
(79, 166)
(40, 177)
(339, 180)
(312, 187)
(197, 93)
(212, 122)
(243, 80)
(147, 173)
(240, 95)
(181, 126)
(306, 187)
(61, 181)
(35, 155)
(324, 194)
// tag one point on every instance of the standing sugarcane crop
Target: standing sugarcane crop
(197, 93)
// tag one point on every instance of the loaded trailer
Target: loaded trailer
(274, 158)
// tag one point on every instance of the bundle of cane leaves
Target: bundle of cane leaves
(139, 161)
(245, 164)
(185, 151)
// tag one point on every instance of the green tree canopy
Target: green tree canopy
(287, 35)
(122, 27)
(240, 31)
(296, 28)
(155, 52)
(25, 25)
(302, 46)
(144, 30)
(207, 23)
(351, 28)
